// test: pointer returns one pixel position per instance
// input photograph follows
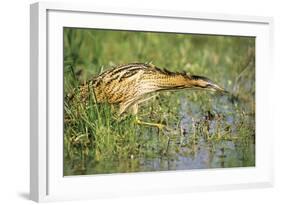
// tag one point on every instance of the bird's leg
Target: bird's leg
(158, 125)
(135, 108)
(138, 121)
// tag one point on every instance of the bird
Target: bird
(128, 85)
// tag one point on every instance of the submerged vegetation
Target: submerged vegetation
(203, 130)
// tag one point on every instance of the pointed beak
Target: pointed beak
(216, 88)
(206, 83)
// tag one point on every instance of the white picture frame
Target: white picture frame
(46, 178)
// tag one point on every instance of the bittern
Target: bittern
(128, 85)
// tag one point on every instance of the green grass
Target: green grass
(201, 124)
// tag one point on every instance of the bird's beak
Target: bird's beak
(206, 83)
(218, 89)
(215, 87)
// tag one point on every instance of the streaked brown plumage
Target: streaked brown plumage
(128, 85)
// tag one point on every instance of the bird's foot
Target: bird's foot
(158, 125)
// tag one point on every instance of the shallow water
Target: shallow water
(221, 138)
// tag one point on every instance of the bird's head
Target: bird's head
(200, 82)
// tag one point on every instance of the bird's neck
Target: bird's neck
(176, 81)
(167, 82)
